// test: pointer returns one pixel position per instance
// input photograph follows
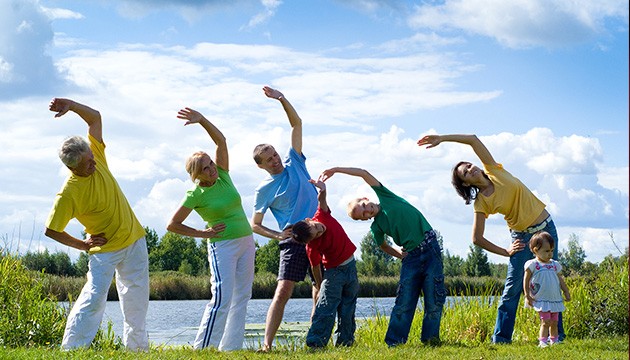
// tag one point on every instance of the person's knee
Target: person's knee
(284, 290)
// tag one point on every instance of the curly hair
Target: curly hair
(72, 151)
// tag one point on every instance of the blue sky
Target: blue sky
(543, 83)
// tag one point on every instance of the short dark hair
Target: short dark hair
(539, 238)
(258, 150)
(301, 232)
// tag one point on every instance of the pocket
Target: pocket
(440, 289)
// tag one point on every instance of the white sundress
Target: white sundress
(544, 286)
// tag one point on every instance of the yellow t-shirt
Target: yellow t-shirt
(511, 198)
(98, 203)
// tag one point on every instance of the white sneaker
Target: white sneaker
(542, 344)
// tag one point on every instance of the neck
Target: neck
(206, 183)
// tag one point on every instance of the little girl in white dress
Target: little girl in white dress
(543, 286)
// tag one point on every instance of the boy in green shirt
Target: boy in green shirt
(421, 255)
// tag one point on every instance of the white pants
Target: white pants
(232, 275)
(131, 266)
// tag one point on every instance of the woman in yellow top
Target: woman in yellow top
(494, 190)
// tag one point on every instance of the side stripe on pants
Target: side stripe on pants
(217, 300)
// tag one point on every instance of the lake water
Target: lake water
(175, 322)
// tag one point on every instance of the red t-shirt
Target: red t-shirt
(333, 247)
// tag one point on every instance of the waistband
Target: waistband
(348, 261)
(429, 239)
(537, 228)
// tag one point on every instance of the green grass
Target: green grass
(574, 349)
(596, 324)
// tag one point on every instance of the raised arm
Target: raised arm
(195, 117)
(321, 196)
(92, 117)
(294, 119)
(364, 174)
(478, 147)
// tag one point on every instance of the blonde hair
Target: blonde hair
(351, 205)
(193, 165)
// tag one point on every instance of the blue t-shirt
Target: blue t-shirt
(289, 195)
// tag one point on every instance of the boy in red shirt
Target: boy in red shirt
(328, 244)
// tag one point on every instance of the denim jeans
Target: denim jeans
(508, 305)
(337, 296)
(422, 270)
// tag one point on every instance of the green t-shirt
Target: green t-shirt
(398, 219)
(218, 203)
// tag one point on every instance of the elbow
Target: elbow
(477, 240)
(172, 226)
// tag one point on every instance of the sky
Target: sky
(544, 84)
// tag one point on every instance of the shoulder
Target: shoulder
(493, 168)
(294, 155)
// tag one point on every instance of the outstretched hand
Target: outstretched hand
(272, 93)
(326, 174)
(430, 140)
(318, 184)
(60, 106)
(193, 116)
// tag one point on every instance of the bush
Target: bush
(27, 317)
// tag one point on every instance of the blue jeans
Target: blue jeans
(508, 305)
(337, 296)
(422, 270)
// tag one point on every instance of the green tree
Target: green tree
(476, 263)
(63, 264)
(498, 270)
(572, 259)
(374, 261)
(81, 265)
(453, 264)
(268, 257)
(152, 239)
(39, 261)
(172, 250)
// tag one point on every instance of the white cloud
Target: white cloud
(270, 7)
(614, 179)
(523, 23)
(25, 33)
(59, 13)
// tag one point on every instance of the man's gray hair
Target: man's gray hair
(72, 150)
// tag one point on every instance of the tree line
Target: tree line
(174, 252)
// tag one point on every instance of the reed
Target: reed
(173, 285)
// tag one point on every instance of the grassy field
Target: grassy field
(595, 321)
(608, 348)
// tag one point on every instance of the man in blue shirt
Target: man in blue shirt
(290, 196)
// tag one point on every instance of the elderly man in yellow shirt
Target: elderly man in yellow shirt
(115, 239)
